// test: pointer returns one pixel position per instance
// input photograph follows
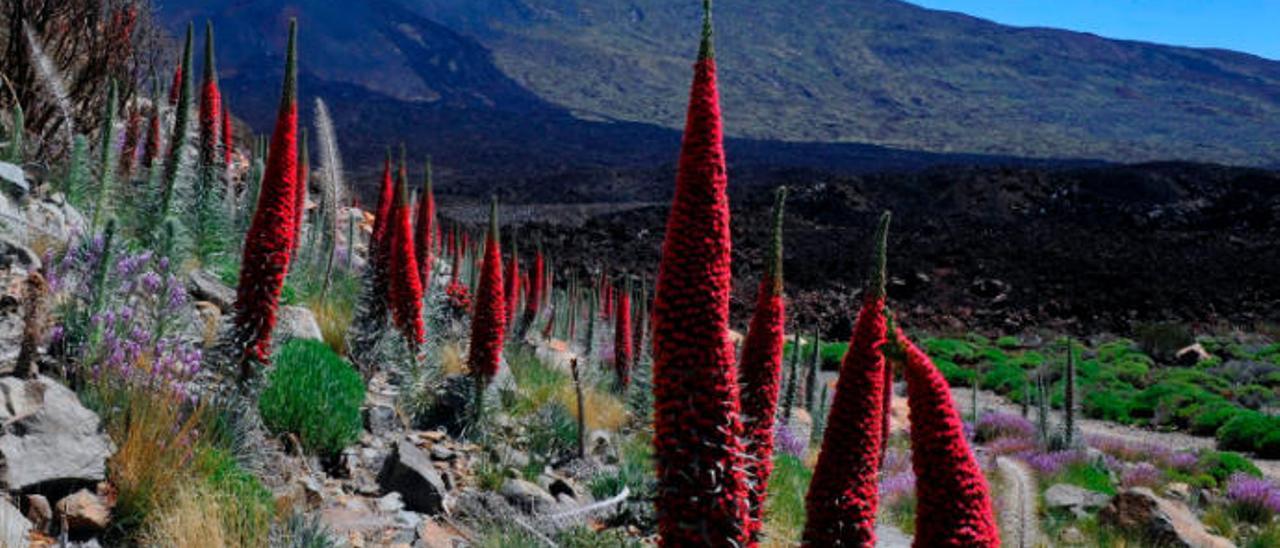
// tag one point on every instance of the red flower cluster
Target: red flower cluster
(426, 230)
(488, 321)
(622, 353)
(228, 140)
(300, 197)
(175, 89)
(266, 249)
(760, 373)
(511, 287)
(701, 497)
(459, 297)
(210, 104)
(953, 502)
(405, 287)
(129, 151)
(843, 496)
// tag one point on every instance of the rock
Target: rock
(39, 512)
(1178, 491)
(49, 436)
(15, 255)
(381, 420)
(1071, 536)
(526, 496)
(435, 535)
(13, 180)
(1161, 521)
(297, 322)
(1077, 500)
(84, 513)
(391, 503)
(1192, 355)
(442, 453)
(409, 471)
(205, 286)
(600, 444)
(512, 457)
(558, 486)
(13, 527)
(312, 492)
(55, 220)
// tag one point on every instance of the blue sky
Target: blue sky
(1243, 25)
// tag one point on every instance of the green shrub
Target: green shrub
(1212, 416)
(1220, 465)
(1255, 396)
(1091, 476)
(955, 374)
(1111, 405)
(953, 350)
(1008, 342)
(1245, 431)
(1269, 445)
(315, 394)
(1004, 378)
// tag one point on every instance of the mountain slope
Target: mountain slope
(538, 74)
(890, 73)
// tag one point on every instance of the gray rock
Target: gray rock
(391, 502)
(49, 436)
(526, 496)
(442, 453)
(14, 255)
(381, 420)
(409, 471)
(204, 286)
(1077, 500)
(1161, 521)
(512, 457)
(297, 322)
(39, 512)
(13, 179)
(13, 527)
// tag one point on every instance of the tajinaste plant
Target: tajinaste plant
(405, 289)
(622, 351)
(106, 172)
(759, 373)
(265, 263)
(953, 502)
(371, 314)
(173, 164)
(843, 497)
(702, 487)
(425, 229)
(488, 325)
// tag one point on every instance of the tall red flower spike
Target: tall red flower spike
(175, 89)
(622, 350)
(129, 151)
(511, 281)
(488, 321)
(378, 241)
(533, 298)
(759, 374)
(701, 498)
(426, 229)
(953, 502)
(843, 496)
(210, 104)
(154, 138)
(266, 249)
(300, 198)
(405, 296)
(228, 139)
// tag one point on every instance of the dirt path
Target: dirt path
(1176, 440)
(1022, 524)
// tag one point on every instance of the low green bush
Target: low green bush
(1269, 446)
(1220, 465)
(1246, 430)
(1212, 416)
(313, 393)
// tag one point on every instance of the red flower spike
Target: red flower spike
(129, 152)
(228, 139)
(175, 89)
(425, 229)
(622, 350)
(210, 104)
(759, 374)
(265, 262)
(843, 496)
(953, 502)
(300, 198)
(378, 247)
(405, 296)
(488, 325)
(511, 282)
(701, 498)
(154, 138)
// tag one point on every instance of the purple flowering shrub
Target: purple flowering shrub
(995, 426)
(127, 326)
(1253, 499)
(1142, 474)
(788, 442)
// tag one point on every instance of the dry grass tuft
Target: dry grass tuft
(604, 410)
(452, 360)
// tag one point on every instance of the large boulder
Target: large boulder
(84, 513)
(297, 322)
(1070, 498)
(205, 286)
(49, 438)
(527, 496)
(1160, 521)
(409, 471)
(13, 180)
(14, 529)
